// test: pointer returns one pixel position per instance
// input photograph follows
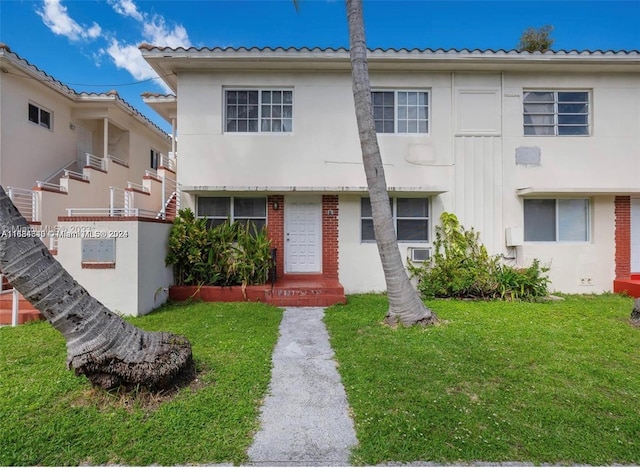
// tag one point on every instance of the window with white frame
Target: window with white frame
(556, 112)
(401, 112)
(39, 116)
(410, 219)
(217, 210)
(259, 110)
(556, 220)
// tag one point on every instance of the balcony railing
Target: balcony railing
(96, 162)
(26, 201)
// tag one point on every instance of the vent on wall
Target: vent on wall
(419, 255)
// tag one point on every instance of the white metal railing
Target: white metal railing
(60, 171)
(167, 162)
(121, 202)
(53, 244)
(117, 201)
(117, 160)
(137, 186)
(47, 185)
(96, 162)
(109, 212)
(75, 174)
(170, 194)
(26, 201)
(151, 173)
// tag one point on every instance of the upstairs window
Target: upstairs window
(39, 116)
(556, 112)
(401, 112)
(259, 110)
(556, 220)
(410, 219)
(217, 210)
(154, 161)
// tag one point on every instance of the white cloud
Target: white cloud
(129, 58)
(157, 33)
(154, 31)
(56, 18)
(126, 8)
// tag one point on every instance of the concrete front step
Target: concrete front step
(306, 293)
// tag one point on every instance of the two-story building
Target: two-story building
(89, 158)
(539, 152)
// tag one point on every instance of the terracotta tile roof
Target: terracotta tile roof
(5, 51)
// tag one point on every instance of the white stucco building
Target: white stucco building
(540, 153)
(95, 161)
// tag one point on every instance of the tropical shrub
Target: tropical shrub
(225, 255)
(462, 268)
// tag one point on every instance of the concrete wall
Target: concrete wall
(28, 151)
(323, 149)
(476, 130)
(139, 280)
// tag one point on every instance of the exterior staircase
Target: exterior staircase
(157, 197)
(26, 311)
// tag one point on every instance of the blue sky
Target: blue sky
(91, 45)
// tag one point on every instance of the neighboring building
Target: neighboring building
(91, 156)
(539, 152)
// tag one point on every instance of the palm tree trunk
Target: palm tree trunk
(405, 305)
(100, 345)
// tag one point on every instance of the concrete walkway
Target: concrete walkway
(304, 419)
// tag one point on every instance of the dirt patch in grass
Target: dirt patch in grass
(135, 399)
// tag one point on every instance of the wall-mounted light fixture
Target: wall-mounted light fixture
(276, 206)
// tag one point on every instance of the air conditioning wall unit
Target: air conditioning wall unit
(514, 236)
(419, 254)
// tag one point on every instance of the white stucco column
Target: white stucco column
(105, 141)
(173, 136)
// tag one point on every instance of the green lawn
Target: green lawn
(50, 417)
(494, 382)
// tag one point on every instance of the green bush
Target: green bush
(462, 268)
(226, 255)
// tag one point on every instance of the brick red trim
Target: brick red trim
(90, 167)
(275, 229)
(138, 191)
(330, 212)
(623, 236)
(50, 190)
(98, 265)
(152, 178)
(78, 178)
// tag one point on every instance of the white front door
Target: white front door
(303, 235)
(635, 235)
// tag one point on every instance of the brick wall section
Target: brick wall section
(275, 229)
(623, 236)
(330, 236)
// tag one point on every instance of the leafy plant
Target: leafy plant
(536, 39)
(462, 268)
(225, 255)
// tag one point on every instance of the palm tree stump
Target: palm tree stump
(109, 351)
